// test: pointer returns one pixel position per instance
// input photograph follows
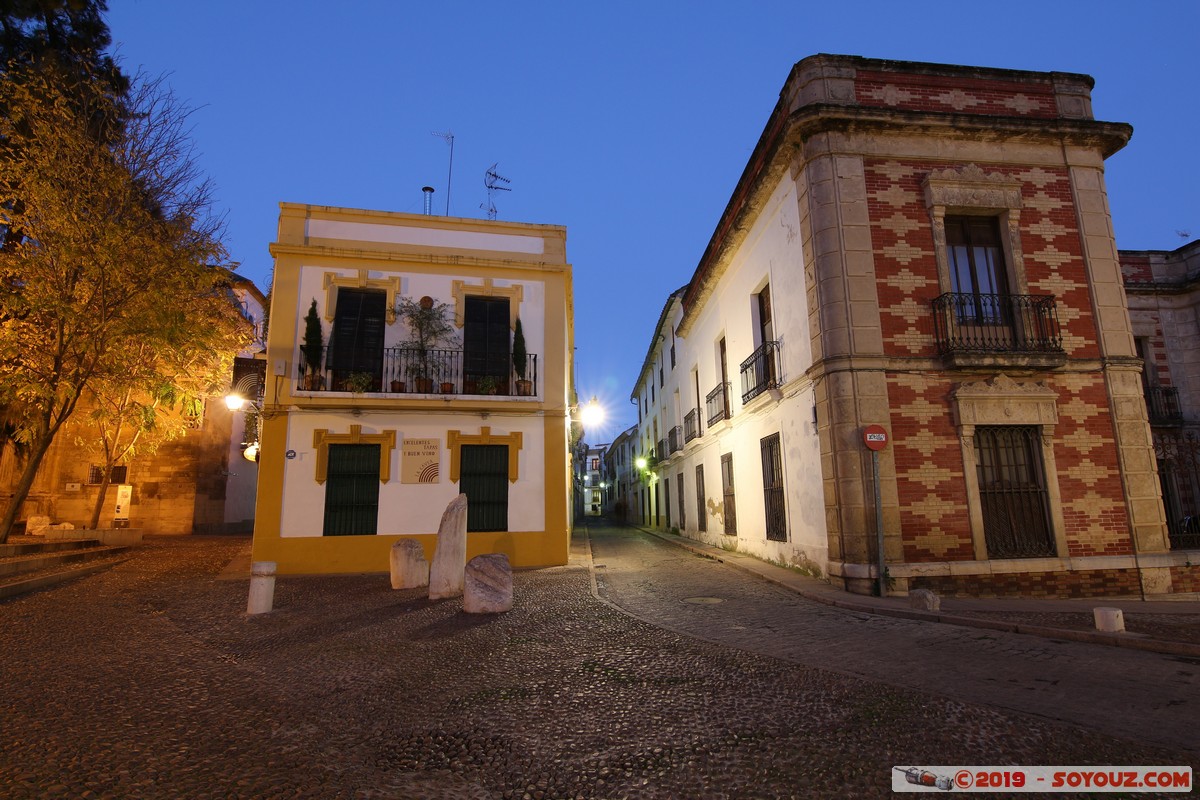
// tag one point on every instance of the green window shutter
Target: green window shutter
(352, 490)
(483, 478)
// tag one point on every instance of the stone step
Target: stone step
(28, 548)
(50, 559)
(18, 584)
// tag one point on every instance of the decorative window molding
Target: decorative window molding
(456, 439)
(1003, 401)
(970, 190)
(461, 289)
(331, 281)
(386, 440)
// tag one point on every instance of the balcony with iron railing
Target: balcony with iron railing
(660, 450)
(691, 425)
(407, 370)
(675, 439)
(998, 329)
(1162, 405)
(717, 404)
(760, 371)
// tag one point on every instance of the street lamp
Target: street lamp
(236, 400)
(592, 414)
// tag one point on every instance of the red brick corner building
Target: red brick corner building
(962, 288)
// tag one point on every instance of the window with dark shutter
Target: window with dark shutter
(483, 478)
(486, 342)
(352, 490)
(356, 344)
(772, 467)
(701, 511)
(728, 494)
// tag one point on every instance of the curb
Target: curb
(753, 566)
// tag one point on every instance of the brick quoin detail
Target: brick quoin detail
(1088, 583)
(955, 94)
(1136, 268)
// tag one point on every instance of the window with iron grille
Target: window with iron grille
(728, 495)
(1012, 491)
(352, 490)
(682, 511)
(119, 474)
(772, 467)
(483, 478)
(701, 511)
(667, 499)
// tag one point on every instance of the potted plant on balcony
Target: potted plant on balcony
(313, 348)
(430, 327)
(487, 385)
(520, 360)
(358, 382)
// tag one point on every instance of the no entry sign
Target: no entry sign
(875, 437)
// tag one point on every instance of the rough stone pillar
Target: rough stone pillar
(409, 567)
(262, 587)
(488, 588)
(450, 557)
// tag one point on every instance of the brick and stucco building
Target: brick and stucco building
(927, 248)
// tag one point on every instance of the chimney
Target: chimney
(428, 190)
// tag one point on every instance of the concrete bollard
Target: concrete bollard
(262, 587)
(1109, 620)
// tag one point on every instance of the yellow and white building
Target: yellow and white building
(360, 450)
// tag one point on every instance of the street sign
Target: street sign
(875, 437)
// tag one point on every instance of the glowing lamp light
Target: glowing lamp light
(251, 453)
(592, 414)
(640, 463)
(234, 401)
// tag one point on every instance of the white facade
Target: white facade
(769, 259)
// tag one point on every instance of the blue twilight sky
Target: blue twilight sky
(629, 123)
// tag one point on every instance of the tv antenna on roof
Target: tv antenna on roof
(449, 139)
(492, 180)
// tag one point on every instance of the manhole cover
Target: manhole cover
(703, 601)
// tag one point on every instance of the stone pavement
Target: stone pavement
(149, 681)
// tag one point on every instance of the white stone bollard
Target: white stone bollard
(924, 600)
(1109, 620)
(450, 557)
(488, 585)
(262, 587)
(409, 567)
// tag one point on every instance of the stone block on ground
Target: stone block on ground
(1109, 620)
(36, 525)
(409, 567)
(450, 557)
(924, 600)
(488, 585)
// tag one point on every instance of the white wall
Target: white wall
(771, 253)
(410, 508)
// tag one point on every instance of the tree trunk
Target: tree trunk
(24, 485)
(99, 506)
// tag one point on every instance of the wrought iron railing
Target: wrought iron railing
(407, 370)
(675, 439)
(760, 371)
(1162, 405)
(691, 425)
(1178, 456)
(996, 323)
(717, 403)
(660, 450)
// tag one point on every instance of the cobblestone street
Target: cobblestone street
(149, 681)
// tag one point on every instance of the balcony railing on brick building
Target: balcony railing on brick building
(760, 371)
(996, 324)
(717, 403)
(1162, 405)
(691, 425)
(675, 439)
